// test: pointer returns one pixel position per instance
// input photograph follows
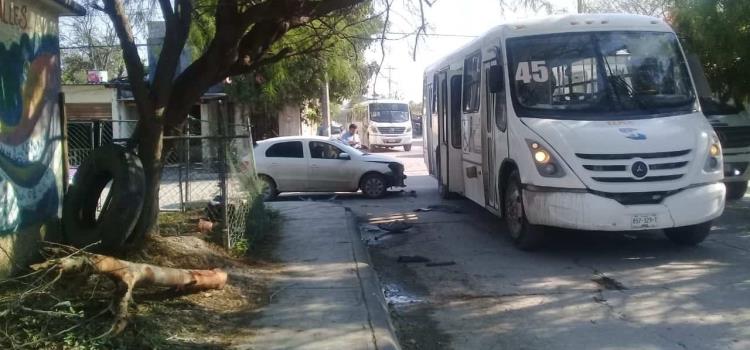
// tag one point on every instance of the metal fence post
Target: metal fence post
(223, 164)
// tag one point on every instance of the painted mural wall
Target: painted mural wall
(30, 134)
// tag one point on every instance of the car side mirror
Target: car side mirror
(495, 79)
(344, 156)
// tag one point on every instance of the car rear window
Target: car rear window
(290, 149)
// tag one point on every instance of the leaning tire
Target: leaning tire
(689, 235)
(374, 185)
(736, 190)
(524, 235)
(407, 148)
(120, 212)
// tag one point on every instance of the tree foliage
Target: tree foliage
(338, 55)
(90, 42)
(718, 31)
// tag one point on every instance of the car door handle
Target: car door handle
(314, 166)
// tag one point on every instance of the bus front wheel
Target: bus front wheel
(523, 234)
(689, 235)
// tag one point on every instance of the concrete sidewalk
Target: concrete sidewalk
(327, 295)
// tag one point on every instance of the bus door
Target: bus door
(495, 125)
(472, 139)
(441, 145)
(454, 143)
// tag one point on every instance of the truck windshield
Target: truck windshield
(389, 112)
(599, 75)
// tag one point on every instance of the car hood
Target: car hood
(572, 138)
(379, 158)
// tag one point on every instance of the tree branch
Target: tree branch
(177, 25)
(115, 10)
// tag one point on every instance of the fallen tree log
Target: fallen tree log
(127, 275)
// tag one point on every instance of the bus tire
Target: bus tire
(689, 235)
(524, 235)
(736, 190)
(407, 148)
(115, 223)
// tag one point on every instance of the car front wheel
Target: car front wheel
(374, 185)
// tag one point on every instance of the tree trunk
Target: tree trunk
(150, 147)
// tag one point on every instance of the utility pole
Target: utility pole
(325, 108)
(390, 74)
(580, 6)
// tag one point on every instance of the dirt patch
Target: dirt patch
(161, 318)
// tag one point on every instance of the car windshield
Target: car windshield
(599, 75)
(349, 149)
(389, 112)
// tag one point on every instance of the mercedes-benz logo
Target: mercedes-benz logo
(639, 169)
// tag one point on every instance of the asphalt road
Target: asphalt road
(584, 290)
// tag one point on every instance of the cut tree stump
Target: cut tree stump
(128, 275)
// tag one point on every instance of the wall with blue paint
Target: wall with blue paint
(30, 133)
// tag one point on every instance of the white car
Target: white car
(317, 164)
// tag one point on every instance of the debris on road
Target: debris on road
(440, 263)
(396, 226)
(440, 207)
(608, 283)
(412, 259)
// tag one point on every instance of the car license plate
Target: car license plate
(643, 221)
(392, 141)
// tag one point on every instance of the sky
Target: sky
(460, 19)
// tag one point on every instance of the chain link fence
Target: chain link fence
(208, 168)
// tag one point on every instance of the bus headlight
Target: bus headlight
(546, 164)
(373, 129)
(713, 162)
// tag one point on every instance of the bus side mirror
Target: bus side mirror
(495, 79)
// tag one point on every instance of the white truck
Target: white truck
(383, 123)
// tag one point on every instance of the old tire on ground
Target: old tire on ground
(119, 212)
(269, 190)
(374, 185)
(407, 148)
(736, 190)
(689, 235)
(523, 234)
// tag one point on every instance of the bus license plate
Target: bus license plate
(392, 141)
(643, 221)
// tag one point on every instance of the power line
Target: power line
(387, 33)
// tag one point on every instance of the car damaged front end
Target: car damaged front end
(396, 176)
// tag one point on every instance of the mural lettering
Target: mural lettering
(13, 14)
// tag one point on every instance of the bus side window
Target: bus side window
(501, 116)
(455, 111)
(472, 71)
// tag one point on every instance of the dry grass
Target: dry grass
(163, 319)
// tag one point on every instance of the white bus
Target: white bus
(383, 123)
(586, 122)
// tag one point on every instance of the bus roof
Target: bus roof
(557, 24)
(369, 102)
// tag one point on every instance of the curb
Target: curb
(383, 332)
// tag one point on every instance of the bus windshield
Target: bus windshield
(599, 75)
(389, 112)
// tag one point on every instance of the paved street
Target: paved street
(582, 291)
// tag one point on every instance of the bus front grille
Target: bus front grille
(391, 130)
(621, 167)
